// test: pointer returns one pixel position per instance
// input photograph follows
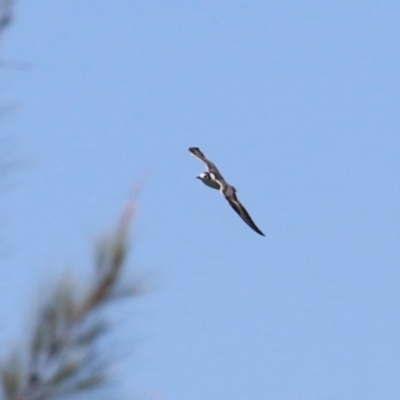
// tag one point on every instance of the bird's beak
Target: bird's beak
(197, 177)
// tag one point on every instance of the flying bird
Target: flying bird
(215, 180)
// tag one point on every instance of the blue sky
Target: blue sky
(298, 105)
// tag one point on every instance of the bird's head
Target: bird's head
(204, 176)
(208, 180)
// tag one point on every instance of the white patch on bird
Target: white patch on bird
(206, 178)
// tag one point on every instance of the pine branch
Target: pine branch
(6, 14)
(62, 357)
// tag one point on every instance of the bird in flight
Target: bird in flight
(215, 180)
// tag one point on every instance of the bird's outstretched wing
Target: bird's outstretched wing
(238, 207)
(210, 166)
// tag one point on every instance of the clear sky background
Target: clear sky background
(298, 105)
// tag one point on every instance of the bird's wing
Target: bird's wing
(238, 207)
(210, 166)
